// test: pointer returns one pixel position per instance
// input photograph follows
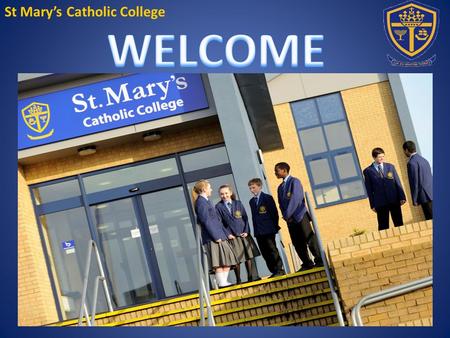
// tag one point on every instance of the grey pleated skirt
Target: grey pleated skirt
(244, 248)
(220, 254)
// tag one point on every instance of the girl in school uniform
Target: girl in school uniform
(235, 219)
(214, 239)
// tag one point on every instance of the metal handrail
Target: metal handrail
(387, 293)
(90, 321)
(203, 290)
(337, 305)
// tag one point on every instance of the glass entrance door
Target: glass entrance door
(121, 241)
(170, 227)
(149, 246)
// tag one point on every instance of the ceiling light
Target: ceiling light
(89, 150)
(152, 136)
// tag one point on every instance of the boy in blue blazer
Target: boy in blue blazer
(420, 179)
(292, 204)
(384, 190)
(265, 225)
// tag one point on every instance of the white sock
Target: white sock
(221, 278)
(225, 277)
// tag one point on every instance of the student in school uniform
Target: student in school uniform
(235, 220)
(218, 250)
(420, 179)
(265, 225)
(292, 204)
(384, 190)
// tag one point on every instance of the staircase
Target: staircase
(301, 298)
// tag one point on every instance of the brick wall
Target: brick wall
(374, 122)
(376, 261)
(35, 298)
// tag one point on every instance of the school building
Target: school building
(113, 158)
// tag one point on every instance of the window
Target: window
(204, 159)
(56, 191)
(328, 149)
(130, 175)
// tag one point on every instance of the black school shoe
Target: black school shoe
(278, 273)
(306, 268)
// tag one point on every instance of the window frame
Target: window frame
(329, 155)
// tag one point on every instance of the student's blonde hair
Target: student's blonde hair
(233, 196)
(256, 181)
(199, 187)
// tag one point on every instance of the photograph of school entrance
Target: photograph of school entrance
(285, 199)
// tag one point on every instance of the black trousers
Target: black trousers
(253, 274)
(383, 216)
(428, 210)
(269, 251)
(302, 236)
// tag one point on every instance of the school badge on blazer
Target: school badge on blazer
(390, 175)
(411, 28)
(37, 117)
(237, 214)
(288, 195)
(262, 209)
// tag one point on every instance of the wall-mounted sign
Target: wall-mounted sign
(135, 233)
(107, 105)
(68, 246)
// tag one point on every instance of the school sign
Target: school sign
(107, 105)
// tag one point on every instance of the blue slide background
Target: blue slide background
(354, 42)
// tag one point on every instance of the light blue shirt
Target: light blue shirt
(257, 197)
(228, 205)
(375, 164)
(284, 182)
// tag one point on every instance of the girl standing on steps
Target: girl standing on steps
(235, 219)
(214, 239)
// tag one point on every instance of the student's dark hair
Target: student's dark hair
(233, 196)
(283, 166)
(377, 151)
(410, 146)
(256, 181)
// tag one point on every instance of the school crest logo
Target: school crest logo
(288, 194)
(390, 175)
(262, 209)
(411, 28)
(237, 214)
(37, 117)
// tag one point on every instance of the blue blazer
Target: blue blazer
(420, 179)
(383, 190)
(291, 200)
(235, 223)
(212, 227)
(264, 215)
